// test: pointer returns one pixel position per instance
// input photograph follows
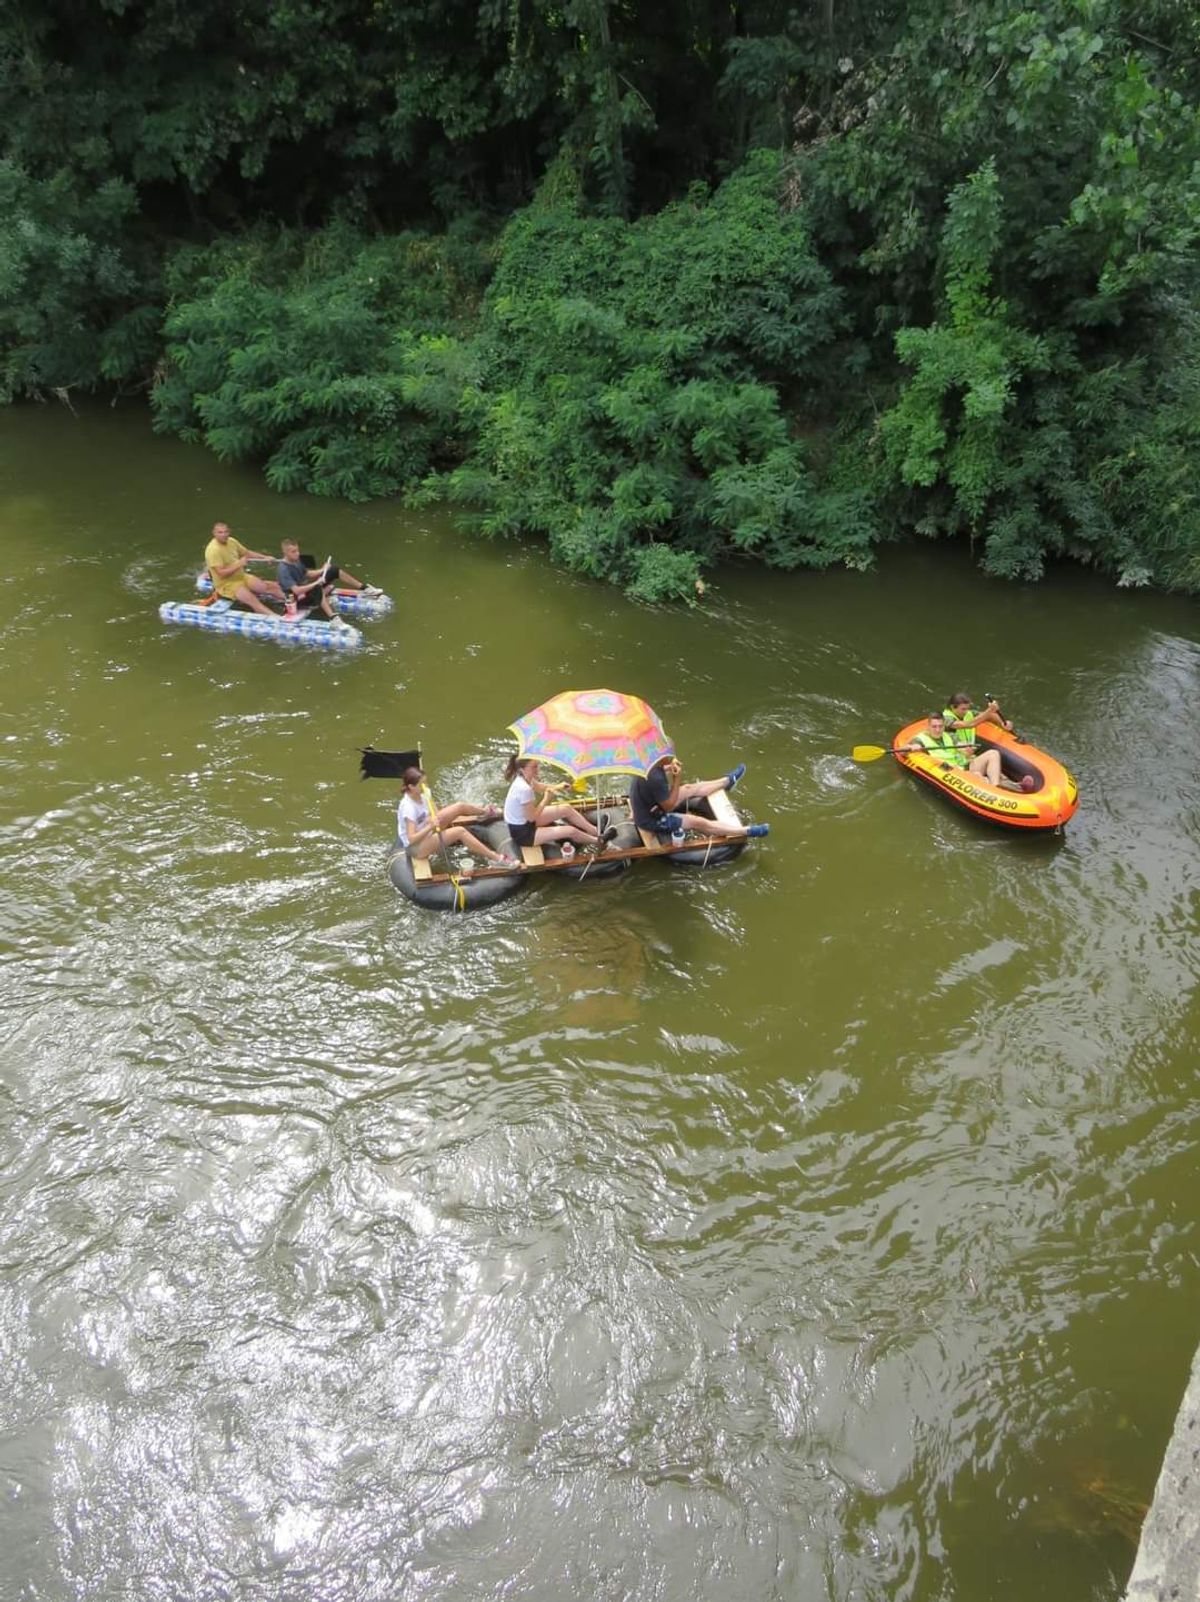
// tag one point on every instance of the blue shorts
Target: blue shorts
(670, 823)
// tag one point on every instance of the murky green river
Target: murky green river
(824, 1227)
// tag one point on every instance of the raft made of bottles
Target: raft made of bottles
(222, 617)
(1048, 804)
(483, 886)
(350, 603)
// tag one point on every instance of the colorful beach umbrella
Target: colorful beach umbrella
(589, 732)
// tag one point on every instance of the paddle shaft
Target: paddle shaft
(872, 753)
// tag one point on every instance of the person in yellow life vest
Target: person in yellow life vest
(953, 749)
(961, 714)
(226, 558)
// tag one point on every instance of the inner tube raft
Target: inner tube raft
(710, 851)
(586, 865)
(1048, 806)
(350, 603)
(705, 851)
(460, 892)
(222, 617)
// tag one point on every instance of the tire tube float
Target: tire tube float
(465, 892)
(1046, 807)
(712, 851)
(604, 865)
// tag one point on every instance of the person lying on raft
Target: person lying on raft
(423, 833)
(956, 751)
(531, 821)
(301, 581)
(961, 714)
(654, 799)
(226, 558)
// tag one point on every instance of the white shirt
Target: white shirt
(411, 812)
(521, 795)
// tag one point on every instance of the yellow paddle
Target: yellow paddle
(433, 816)
(455, 878)
(872, 753)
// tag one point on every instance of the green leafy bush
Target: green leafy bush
(75, 305)
(312, 354)
(1022, 189)
(627, 404)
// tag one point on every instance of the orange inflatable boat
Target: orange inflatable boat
(1049, 802)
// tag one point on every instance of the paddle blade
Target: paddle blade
(869, 753)
(387, 764)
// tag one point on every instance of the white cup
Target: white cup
(568, 850)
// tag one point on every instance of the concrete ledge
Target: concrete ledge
(1167, 1567)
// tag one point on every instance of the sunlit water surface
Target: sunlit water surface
(821, 1227)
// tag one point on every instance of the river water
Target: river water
(820, 1227)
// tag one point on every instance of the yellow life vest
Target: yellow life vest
(965, 737)
(946, 746)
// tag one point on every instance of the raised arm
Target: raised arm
(674, 772)
(990, 714)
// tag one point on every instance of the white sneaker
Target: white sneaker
(372, 590)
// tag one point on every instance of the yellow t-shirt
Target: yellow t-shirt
(217, 555)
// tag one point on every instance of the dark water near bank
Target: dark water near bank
(823, 1227)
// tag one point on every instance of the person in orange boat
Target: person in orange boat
(961, 713)
(956, 751)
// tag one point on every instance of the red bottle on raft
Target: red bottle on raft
(1048, 805)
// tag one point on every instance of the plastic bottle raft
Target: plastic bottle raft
(484, 886)
(350, 603)
(1047, 804)
(222, 617)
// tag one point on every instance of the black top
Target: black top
(646, 798)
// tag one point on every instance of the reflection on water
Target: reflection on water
(819, 1227)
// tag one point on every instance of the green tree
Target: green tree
(301, 352)
(625, 405)
(72, 287)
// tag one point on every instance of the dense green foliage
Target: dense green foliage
(305, 353)
(626, 401)
(663, 285)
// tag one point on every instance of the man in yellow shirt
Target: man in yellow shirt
(225, 559)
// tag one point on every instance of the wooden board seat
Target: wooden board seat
(652, 841)
(532, 856)
(723, 809)
(422, 868)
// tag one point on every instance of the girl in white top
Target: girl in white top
(424, 833)
(531, 821)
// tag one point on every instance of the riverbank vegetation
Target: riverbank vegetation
(662, 285)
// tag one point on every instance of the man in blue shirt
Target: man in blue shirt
(655, 799)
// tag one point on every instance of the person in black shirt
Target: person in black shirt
(654, 801)
(314, 586)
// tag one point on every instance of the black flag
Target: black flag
(387, 764)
